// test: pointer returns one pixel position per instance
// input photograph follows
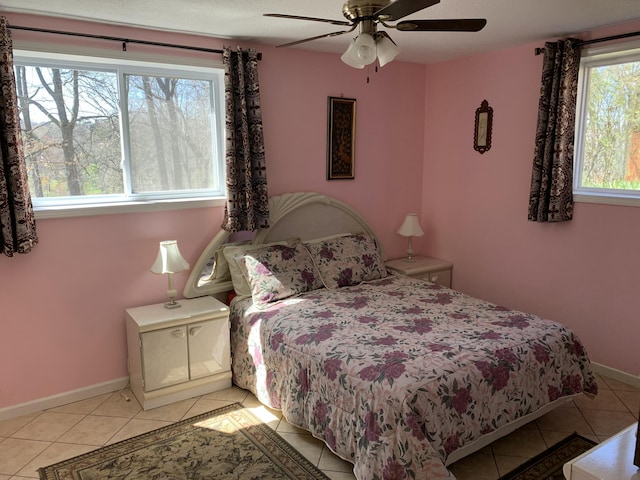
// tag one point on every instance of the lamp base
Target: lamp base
(172, 304)
(409, 260)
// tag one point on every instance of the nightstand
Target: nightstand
(179, 353)
(609, 460)
(429, 268)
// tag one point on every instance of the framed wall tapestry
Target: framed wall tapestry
(341, 138)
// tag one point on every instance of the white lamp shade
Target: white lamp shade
(387, 50)
(361, 52)
(350, 57)
(411, 226)
(169, 259)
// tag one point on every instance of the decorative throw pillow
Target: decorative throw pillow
(347, 260)
(279, 271)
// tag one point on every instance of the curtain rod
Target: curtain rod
(123, 40)
(540, 50)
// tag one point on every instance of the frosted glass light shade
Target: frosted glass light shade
(169, 259)
(350, 58)
(361, 52)
(386, 50)
(411, 226)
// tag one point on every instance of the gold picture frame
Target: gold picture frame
(483, 127)
(341, 137)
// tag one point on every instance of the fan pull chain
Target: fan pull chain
(375, 71)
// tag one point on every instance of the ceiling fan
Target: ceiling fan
(371, 43)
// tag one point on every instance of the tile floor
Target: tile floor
(33, 441)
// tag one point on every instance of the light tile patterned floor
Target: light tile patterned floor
(33, 441)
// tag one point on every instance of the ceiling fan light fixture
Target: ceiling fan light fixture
(361, 52)
(350, 57)
(387, 50)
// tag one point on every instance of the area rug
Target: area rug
(223, 444)
(548, 465)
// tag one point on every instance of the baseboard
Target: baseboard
(63, 398)
(615, 374)
(120, 383)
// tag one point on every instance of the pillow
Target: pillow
(347, 260)
(231, 253)
(328, 237)
(221, 270)
(279, 271)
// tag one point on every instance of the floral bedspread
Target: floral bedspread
(396, 374)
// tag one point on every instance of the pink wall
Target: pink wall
(62, 306)
(584, 273)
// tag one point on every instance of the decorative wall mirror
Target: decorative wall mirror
(482, 132)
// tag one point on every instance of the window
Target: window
(101, 132)
(607, 157)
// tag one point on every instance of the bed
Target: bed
(399, 376)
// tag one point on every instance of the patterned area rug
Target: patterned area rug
(226, 443)
(548, 465)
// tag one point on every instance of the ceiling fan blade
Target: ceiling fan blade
(332, 34)
(454, 25)
(401, 8)
(312, 19)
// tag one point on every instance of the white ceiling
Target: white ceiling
(509, 22)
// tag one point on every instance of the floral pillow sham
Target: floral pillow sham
(233, 254)
(279, 271)
(347, 260)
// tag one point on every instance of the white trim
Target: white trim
(120, 383)
(128, 207)
(64, 398)
(126, 202)
(604, 199)
(593, 58)
(615, 374)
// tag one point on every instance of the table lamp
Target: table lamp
(410, 228)
(169, 261)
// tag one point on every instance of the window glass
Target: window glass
(170, 133)
(97, 133)
(607, 156)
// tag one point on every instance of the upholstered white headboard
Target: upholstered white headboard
(303, 215)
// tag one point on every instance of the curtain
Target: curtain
(247, 205)
(551, 198)
(17, 222)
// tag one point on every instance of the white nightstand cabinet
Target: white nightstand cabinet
(429, 268)
(609, 460)
(175, 354)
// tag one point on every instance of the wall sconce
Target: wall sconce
(410, 228)
(169, 261)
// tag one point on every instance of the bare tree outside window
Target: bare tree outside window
(83, 141)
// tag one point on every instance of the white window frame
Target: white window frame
(135, 64)
(595, 57)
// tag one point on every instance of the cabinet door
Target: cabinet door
(442, 277)
(209, 348)
(165, 360)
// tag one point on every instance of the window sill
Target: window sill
(125, 207)
(606, 199)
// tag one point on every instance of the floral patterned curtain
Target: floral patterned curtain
(247, 205)
(551, 198)
(17, 222)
